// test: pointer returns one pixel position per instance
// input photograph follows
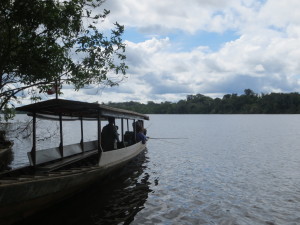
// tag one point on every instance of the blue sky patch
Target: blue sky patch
(132, 35)
(212, 40)
(185, 41)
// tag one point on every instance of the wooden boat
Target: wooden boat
(58, 173)
(6, 146)
(6, 155)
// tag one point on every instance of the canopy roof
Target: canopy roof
(51, 109)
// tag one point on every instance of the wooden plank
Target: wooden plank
(8, 181)
(50, 154)
(67, 161)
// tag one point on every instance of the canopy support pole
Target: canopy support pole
(122, 130)
(56, 89)
(134, 128)
(61, 145)
(81, 141)
(33, 150)
(99, 137)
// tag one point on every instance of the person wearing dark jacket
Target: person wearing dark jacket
(109, 135)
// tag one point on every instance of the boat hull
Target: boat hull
(7, 146)
(21, 199)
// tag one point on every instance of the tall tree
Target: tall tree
(42, 41)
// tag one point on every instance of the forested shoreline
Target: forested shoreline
(247, 103)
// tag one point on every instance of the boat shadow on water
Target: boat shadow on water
(115, 200)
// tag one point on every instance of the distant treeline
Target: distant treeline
(247, 103)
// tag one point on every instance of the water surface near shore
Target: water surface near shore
(222, 169)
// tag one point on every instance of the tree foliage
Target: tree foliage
(247, 103)
(42, 41)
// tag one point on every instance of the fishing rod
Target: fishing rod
(165, 141)
(149, 126)
(165, 138)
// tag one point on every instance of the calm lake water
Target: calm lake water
(224, 169)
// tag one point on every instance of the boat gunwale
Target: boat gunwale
(61, 172)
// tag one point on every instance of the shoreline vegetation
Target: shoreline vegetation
(247, 103)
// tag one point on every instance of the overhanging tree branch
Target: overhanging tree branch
(36, 41)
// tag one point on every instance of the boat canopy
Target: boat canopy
(75, 110)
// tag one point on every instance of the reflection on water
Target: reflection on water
(115, 201)
(231, 169)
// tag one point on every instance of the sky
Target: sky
(176, 48)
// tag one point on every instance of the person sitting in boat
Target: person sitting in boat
(109, 135)
(139, 125)
(140, 136)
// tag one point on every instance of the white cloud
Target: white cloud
(264, 57)
(264, 63)
(189, 15)
(280, 13)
